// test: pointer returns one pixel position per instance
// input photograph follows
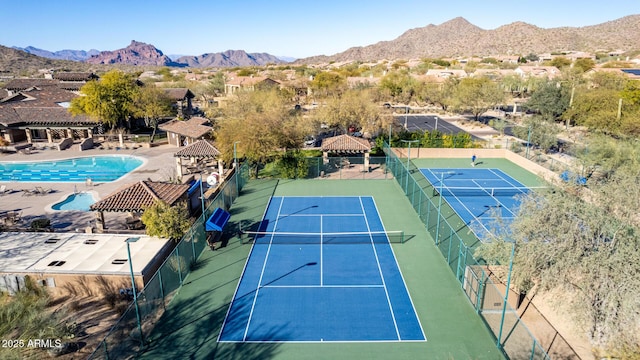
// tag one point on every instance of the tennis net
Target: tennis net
(336, 238)
(480, 191)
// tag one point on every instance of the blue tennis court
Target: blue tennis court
(321, 269)
(485, 199)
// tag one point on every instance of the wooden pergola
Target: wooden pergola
(345, 145)
(196, 153)
(134, 198)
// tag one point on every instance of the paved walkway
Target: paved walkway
(159, 165)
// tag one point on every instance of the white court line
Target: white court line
(264, 265)
(308, 215)
(415, 313)
(321, 259)
(507, 180)
(495, 198)
(386, 291)
(241, 278)
(469, 211)
(322, 286)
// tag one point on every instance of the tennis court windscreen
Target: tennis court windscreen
(374, 237)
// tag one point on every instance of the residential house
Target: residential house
(493, 74)
(446, 73)
(631, 74)
(575, 55)
(526, 71)
(508, 59)
(362, 81)
(235, 83)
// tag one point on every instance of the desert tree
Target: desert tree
(587, 255)
(109, 100)
(151, 104)
(550, 100)
(476, 96)
(262, 123)
(538, 131)
(328, 83)
(164, 220)
(354, 109)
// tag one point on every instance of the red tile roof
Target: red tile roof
(136, 197)
(345, 143)
(199, 149)
(178, 93)
(192, 128)
(41, 105)
(74, 76)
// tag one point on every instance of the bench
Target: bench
(217, 220)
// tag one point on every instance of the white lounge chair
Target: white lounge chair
(4, 190)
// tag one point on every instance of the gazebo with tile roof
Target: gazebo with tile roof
(346, 144)
(197, 152)
(181, 132)
(135, 197)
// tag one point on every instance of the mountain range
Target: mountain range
(458, 37)
(453, 38)
(75, 55)
(229, 58)
(139, 53)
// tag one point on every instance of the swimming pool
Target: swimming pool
(79, 201)
(103, 168)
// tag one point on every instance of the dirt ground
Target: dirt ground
(92, 318)
(561, 323)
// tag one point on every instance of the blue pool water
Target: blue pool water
(79, 201)
(102, 168)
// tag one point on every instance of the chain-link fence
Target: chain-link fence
(554, 161)
(342, 168)
(124, 339)
(457, 244)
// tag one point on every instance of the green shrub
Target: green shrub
(293, 165)
(39, 224)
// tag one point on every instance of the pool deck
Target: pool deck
(159, 165)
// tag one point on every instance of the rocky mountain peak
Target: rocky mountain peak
(137, 53)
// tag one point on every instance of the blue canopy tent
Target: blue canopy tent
(216, 223)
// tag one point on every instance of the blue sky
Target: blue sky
(278, 27)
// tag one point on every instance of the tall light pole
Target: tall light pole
(439, 209)
(202, 197)
(506, 295)
(235, 166)
(406, 111)
(528, 142)
(133, 287)
(408, 158)
(235, 154)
